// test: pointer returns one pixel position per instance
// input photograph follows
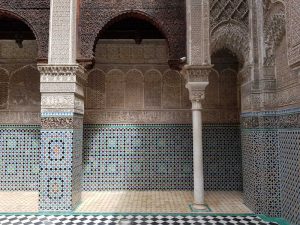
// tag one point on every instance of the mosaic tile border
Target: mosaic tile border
(273, 119)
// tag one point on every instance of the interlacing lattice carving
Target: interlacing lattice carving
(225, 10)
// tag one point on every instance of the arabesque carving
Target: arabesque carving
(233, 37)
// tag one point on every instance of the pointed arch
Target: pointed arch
(232, 36)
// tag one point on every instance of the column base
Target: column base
(199, 208)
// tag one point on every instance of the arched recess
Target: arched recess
(95, 91)
(24, 89)
(115, 89)
(232, 36)
(171, 92)
(136, 15)
(153, 89)
(134, 89)
(19, 28)
(4, 81)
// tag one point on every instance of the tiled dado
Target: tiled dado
(135, 157)
(159, 157)
(61, 162)
(271, 155)
(19, 157)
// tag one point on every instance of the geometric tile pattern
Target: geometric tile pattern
(271, 156)
(222, 157)
(131, 219)
(261, 171)
(159, 157)
(56, 170)
(19, 157)
(151, 153)
(61, 168)
(289, 148)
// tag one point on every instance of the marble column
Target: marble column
(62, 109)
(197, 80)
(196, 74)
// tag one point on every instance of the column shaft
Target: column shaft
(198, 157)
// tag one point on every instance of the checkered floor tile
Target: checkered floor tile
(128, 219)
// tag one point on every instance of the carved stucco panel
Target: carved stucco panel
(134, 90)
(171, 90)
(95, 91)
(153, 86)
(115, 89)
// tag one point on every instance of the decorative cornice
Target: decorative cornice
(62, 73)
(271, 120)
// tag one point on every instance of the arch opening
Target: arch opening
(20, 101)
(131, 25)
(13, 28)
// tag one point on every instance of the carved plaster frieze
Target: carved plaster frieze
(57, 101)
(62, 73)
(14, 117)
(61, 122)
(139, 117)
(271, 119)
(62, 88)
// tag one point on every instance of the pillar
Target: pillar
(62, 109)
(196, 73)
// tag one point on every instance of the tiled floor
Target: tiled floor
(19, 201)
(131, 202)
(159, 202)
(131, 220)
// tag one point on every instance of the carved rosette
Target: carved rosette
(196, 82)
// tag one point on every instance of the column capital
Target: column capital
(196, 82)
(62, 88)
(62, 73)
(194, 73)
